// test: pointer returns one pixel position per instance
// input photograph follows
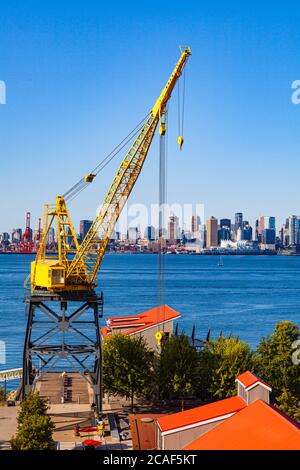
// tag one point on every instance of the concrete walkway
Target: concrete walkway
(8, 424)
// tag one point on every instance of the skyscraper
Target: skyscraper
(247, 231)
(211, 232)
(294, 230)
(173, 229)
(84, 228)
(51, 236)
(268, 236)
(16, 235)
(224, 232)
(225, 223)
(132, 234)
(269, 222)
(238, 221)
(260, 225)
(4, 238)
(196, 222)
(265, 222)
(150, 233)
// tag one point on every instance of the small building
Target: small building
(177, 430)
(246, 421)
(145, 324)
(251, 388)
(258, 426)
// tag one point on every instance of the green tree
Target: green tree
(273, 362)
(221, 361)
(35, 433)
(34, 404)
(178, 368)
(35, 427)
(127, 366)
(289, 404)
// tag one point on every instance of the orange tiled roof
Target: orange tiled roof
(248, 380)
(257, 427)
(135, 323)
(209, 412)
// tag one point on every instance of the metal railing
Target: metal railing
(10, 374)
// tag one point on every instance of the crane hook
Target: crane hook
(180, 141)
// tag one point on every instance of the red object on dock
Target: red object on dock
(87, 429)
(92, 442)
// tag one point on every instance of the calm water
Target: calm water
(246, 296)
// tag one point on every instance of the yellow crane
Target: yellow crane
(64, 273)
(63, 308)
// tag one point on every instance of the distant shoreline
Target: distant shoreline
(233, 253)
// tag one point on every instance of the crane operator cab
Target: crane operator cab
(48, 274)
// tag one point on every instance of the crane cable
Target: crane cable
(77, 188)
(161, 281)
(180, 111)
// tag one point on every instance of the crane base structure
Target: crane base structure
(63, 334)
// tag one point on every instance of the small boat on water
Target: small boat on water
(220, 263)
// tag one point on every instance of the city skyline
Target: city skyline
(241, 126)
(210, 232)
(184, 224)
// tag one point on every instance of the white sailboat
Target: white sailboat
(221, 263)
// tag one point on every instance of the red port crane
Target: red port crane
(37, 238)
(26, 242)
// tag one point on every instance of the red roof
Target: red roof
(248, 380)
(212, 411)
(257, 427)
(134, 323)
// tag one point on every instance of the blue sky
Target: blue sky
(81, 74)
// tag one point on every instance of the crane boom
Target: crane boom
(80, 273)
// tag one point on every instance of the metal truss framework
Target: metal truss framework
(60, 330)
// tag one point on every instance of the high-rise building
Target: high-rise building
(150, 233)
(132, 234)
(187, 236)
(269, 222)
(294, 230)
(84, 227)
(4, 238)
(265, 222)
(201, 236)
(238, 221)
(260, 226)
(247, 231)
(257, 235)
(224, 232)
(51, 236)
(16, 235)
(195, 224)
(225, 223)
(268, 236)
(211, 232)
(239, 234)
(285, 233)
(173, 229)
